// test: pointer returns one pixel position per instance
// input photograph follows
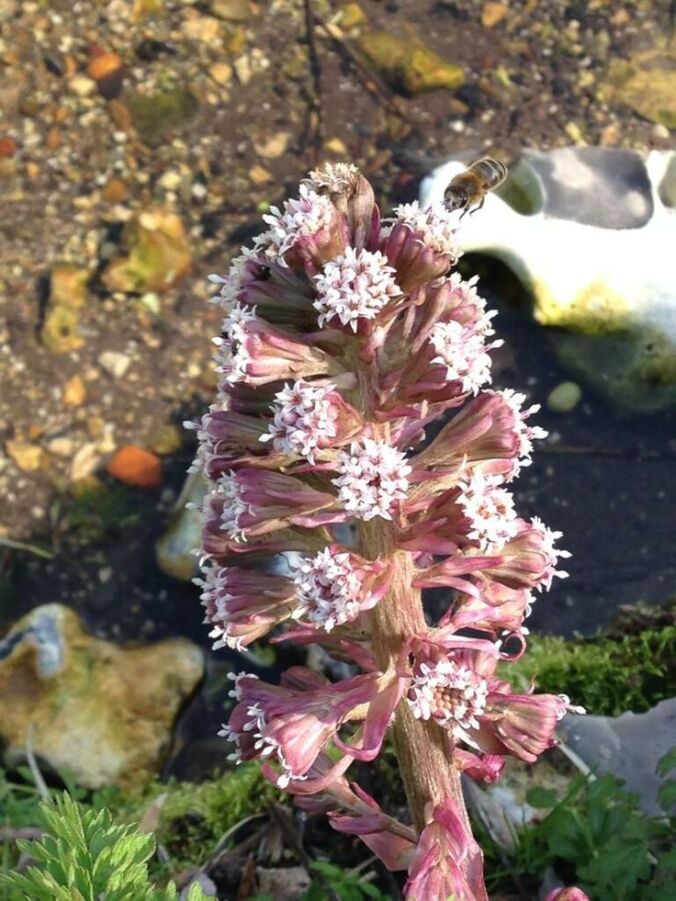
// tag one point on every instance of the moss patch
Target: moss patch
(154, 115)
(607, 675)
(196, 816)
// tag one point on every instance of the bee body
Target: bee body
(467, 190)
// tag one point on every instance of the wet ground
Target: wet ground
(240, 120)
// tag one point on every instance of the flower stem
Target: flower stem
(421, 746)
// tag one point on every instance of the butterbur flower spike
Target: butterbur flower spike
(344, 337)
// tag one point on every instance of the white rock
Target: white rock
(114, 362)
(594, 243)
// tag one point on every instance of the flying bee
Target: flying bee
(468, 189)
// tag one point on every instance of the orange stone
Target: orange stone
(103, 64)
(114, 191)
(53, 139)
(7, 147)
(135, 466)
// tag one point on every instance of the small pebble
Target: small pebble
(114, 362)
(564, 398)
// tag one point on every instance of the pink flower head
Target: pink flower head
(420, 243)
(451, 693)
(251, 502)
(463, 354)
(352, 196)
(335, 587)
(272, 290)
(529, 558)
(489, 430)
(310, 417)
(444, 351)
(522, 725)
(262, 354)
(242, 605)
(354, 287)
(223, 436)
(244, 270)
(526, 434)
(295, 726)
(334, 179)
(567, 894)
(489, 508)
(451, 298)
(448, 862)
(373, 478)
(478, 513)
(491, 607)
(457, 687)
(305, 233)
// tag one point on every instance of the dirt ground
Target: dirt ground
(200, 115)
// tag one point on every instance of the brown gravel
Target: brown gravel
(208, 110)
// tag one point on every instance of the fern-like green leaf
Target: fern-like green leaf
(85, 856)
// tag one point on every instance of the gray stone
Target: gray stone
(175, 549)
(603, 186)
(629, 746)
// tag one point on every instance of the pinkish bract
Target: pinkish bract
(344, 337)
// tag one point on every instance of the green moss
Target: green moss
(98, 509)
(156, 114)
(195, 816)
(608, 675)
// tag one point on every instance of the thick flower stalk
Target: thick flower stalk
(346, 341)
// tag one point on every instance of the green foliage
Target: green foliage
(607, 675)
(84, 856)
(196, 815)
(345, 884)
(97, 510)
(19, 808)
(595, 837)
(193, 818)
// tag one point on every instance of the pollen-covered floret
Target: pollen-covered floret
(464, 354)
(301, 218)
(304, 417)
(433, 226)
(451, 694)
(354, 286)
(373, 477)
(490, 509)
(329, 589)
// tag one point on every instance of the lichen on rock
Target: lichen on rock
(409, 66)
(156, 254)
(101, 711)
(646, 83)
(60, 331)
